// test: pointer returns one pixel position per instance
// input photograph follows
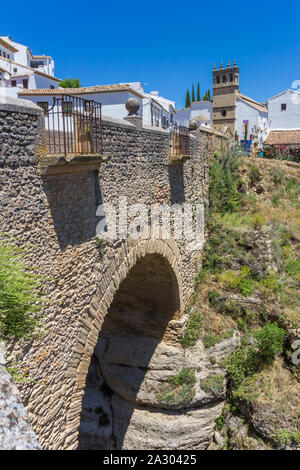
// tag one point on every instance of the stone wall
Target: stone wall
(15, 430)
(54, 215)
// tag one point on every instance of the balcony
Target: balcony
(179, 145)
(73, 135)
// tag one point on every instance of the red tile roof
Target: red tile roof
(283, 137)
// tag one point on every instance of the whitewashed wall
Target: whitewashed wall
(289, 119)
(258, 119)
(113, 104)
(204, 108)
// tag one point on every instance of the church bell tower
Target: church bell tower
(225, 90)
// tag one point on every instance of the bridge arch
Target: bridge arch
(143, 299)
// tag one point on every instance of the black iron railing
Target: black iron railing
(179, 143)
(73, 126)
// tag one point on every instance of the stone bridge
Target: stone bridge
(116, 309)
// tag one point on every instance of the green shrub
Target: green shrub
(241, 282)
(270, 341)
(211, 340)
(214, 297)
(240, 364)
(254, 174)
(186, 376)
(220, 422)
(225, 182)
(20, 294)
(179, 390)
(286, 437)
(257, 221)
(213, 384)
(192, 330)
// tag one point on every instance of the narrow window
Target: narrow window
(25, 82)
(52, 87)
(14, 83)
(283, 106)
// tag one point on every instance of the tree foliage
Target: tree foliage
(188, 99)
(224, 194)
(193, 94)
(198, 92)
(70, 83)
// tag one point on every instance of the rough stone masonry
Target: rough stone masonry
(116, 309)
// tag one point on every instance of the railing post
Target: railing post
(64, 129)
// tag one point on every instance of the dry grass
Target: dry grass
(275, 391)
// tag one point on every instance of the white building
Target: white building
(253, 114)
(112, 97)
(284, 110)
(20, 69)
(157, 111)
(200, 111)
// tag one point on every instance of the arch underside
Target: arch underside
(139, 327)
(128, 348)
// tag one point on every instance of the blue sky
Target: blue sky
(168, 45)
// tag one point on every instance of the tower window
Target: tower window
(283, 106)
(231, 77)
(218, 79)
(224, 78)
(224, 112)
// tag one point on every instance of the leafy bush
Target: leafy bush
(192, 330)
(254, 174)
(270, 341)
(257, 221)
(241, 282)
(213, 384)
(282, 152)
(284, 437)
(20, 294)
(179, 390)
(214, 297)
(241, 364)
(225, 182)
(186, 376)
(211, 340)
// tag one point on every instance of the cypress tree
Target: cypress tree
(188, 99)
(208, 95)
(198, 92)
(193, 94)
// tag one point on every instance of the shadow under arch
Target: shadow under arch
(137, 322)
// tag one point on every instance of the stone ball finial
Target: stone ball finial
(132, 106)
(193, 125)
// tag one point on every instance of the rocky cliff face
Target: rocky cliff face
(126, 401)
(15, 430)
